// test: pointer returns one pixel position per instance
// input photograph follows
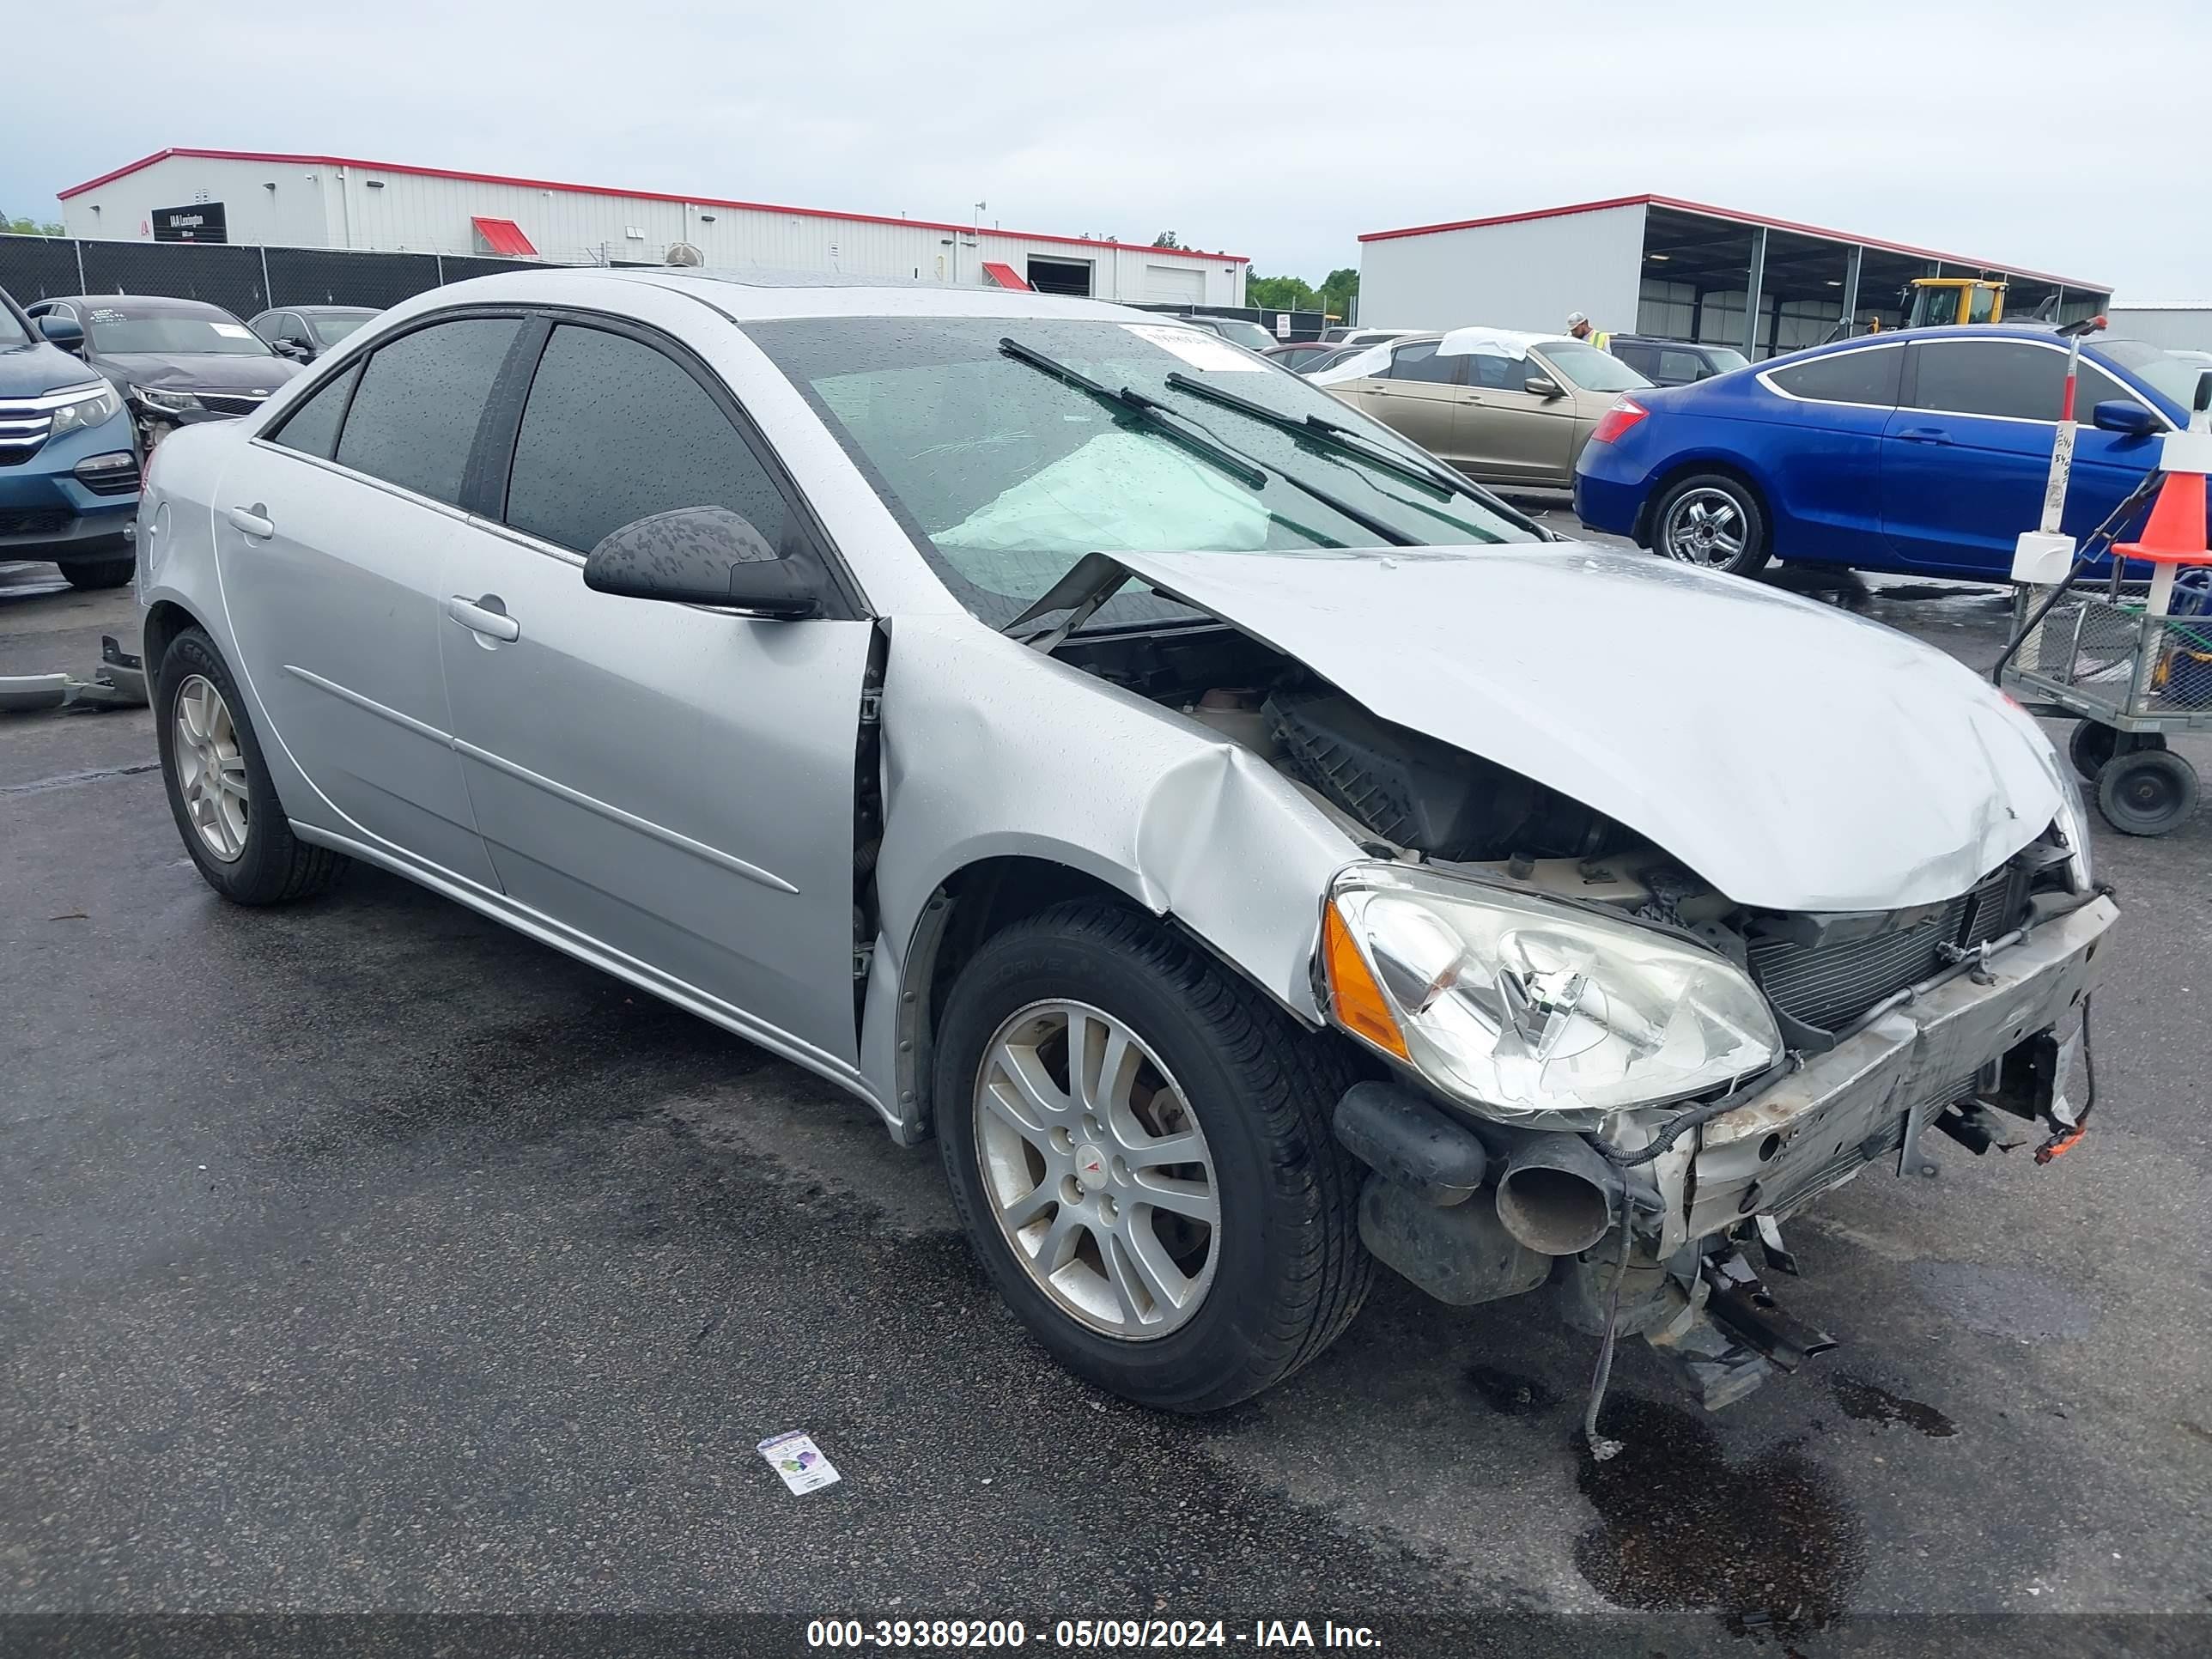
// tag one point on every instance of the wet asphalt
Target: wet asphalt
(364, 1256)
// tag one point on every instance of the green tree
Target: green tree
(1278, 292)
(1166, 238)
(1340, 290)
(29, 227)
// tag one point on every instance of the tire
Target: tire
(265, 862)
(1286, 1271)
(2093, 744)
(99, 573)
(2145, 792)
(1730, 536)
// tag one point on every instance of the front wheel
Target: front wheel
(1714, 522)
(1139, 1145)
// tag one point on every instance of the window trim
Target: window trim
(841, 597)
(1766, 377)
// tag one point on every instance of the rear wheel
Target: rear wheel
(99, 573)
(1139, 1145)
(2093, 744)
(1712, 520)
(220, 790)
(2146, 792)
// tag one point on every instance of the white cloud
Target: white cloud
(1279, 132)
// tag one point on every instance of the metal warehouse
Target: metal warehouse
(332, 201)
(1657, 265)
(2177, 325)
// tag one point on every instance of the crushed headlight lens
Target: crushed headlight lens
(2073, 824)
(1518, 1006)
(162, 400)
(87, 406)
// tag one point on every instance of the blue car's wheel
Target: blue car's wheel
(1713, 520)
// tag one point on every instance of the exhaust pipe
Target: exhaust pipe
(1558, 1196)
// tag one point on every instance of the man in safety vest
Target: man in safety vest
(1579, 326)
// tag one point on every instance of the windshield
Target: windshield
(2161, 371)
(12, 332)
(334, 328)
(117, 333)
(1005, 474)
(1590, 369)
(1244, 333)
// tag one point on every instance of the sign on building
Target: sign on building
(203, 222)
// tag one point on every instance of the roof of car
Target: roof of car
(140, 302)
(329, 311)
(750, 296)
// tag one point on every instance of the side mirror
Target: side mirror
(699, 556)
(64, 331)
(2120, 415)
(1543, 386)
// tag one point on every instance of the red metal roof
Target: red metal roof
(635, 196)
(1733, 215)
(503, 236)
(1004, 274)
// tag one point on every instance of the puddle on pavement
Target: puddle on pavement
(1767, 1544)
(1510, 1393)
(1867, 1404)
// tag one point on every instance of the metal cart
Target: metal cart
(2132, 677)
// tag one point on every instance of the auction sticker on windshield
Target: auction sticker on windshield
(233, 330)
(1198, 350)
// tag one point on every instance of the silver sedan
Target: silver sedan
(1251, 850)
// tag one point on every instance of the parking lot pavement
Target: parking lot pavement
(363, 1254)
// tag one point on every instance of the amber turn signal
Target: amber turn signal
(1354, 996)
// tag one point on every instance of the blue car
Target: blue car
(1922, 451)
(69, 459)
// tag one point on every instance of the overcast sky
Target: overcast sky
(1281, 132)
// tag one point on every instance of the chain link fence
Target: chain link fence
(241, 278)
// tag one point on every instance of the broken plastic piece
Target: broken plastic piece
(798, 1461)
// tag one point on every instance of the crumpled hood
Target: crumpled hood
(1796, 757)
(215, 371)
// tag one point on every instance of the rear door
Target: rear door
(671, 783)
(1512, 435)
(1967, 456)
(330, 533)
(1417, 397)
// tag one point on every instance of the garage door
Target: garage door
(1179, 283)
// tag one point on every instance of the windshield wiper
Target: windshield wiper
(1139, 408)
(1335, 435)
(1165, 420)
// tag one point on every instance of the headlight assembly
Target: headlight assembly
(1522, 1007)
(163, 401)
(2073, 825)
(87, 406)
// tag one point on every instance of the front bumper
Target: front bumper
(1871, 1096)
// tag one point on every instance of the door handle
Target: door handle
(252, 521)
(475, 616)
(1924, 435)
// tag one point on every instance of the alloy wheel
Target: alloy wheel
(1703, 526)
(1097, 1170)
(210, 769)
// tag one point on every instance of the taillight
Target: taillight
(1616, 420)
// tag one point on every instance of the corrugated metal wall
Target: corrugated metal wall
(314, 206)
(1527, 274)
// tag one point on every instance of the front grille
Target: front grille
(232, 403)
(23, 427)
(1826, 985)
(40, 521)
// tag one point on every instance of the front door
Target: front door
(1967, 456)
(330, 534)
(672, 783)
(1509, 434)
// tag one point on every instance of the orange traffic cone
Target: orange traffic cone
(2175, 532)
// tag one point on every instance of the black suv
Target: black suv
(1674, 363)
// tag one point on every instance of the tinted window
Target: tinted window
(312, 427)
(1678, 368)
(1642, 359)
(1848, 377)
(615, 431)
(334, 328)
(414, 416)
(1991, 377)
(1420, 362)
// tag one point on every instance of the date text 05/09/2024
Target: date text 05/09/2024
(1111, 1635)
